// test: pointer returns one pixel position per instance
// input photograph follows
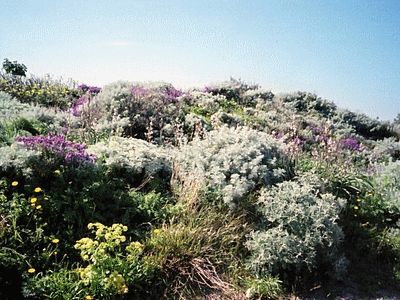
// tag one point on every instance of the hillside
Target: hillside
(138, 190)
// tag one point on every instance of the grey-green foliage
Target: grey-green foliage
(299, 227)
(209, 102)
(307, 102)
(221, 118)
(233, 161)
(12, 109)
(138, 114)
(363, 125)
(106, 108)
(387, 148)
(15, 160)
(233, 89)
(257, 97)
(134, 156)
(387, 183)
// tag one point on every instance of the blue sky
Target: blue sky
(346, 51)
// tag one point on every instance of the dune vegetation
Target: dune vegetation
(138, 190)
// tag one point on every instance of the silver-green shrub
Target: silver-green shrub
(15, 160)
(12, 109)
(233, 161)
(142, 110)
(299, 227)
(257, 97)
(209, 102)
(233, 90)
(387, 184)
(223, 118)
(363, 125)
(387, 148)
(308, 103)
(134, 156)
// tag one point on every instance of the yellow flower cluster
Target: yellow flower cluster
(34, 200)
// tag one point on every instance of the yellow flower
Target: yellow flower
(14, 183)
(33, 204)
(358, 200)
(37, 190)
(88, 297)
(58, 172)
(45, 198)
(55, 241)
(355, 207)
(31, 270)
(38, 207)
(33, 200)
(156, 231)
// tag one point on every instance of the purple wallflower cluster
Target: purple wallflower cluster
(75, 109)
(172, 94)
(323, 138)
(208, 90)
(317, 130)
(351, 144)
(89, 89)
(140, 91)
(88, 92)
(299, 142)
(71, 152)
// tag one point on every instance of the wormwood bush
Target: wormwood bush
(221, 117)
(299, 232)
(43, 119)
(233, 161)
(133, 158)
(257, 97)
(307, 102)
(207, 102)
(387, 149)
(148, 107)
(387, 183)
(232, 89)
(12, 120)
(11, 108)
(14, 161)
(363, 125)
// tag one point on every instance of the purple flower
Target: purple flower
(75, 109)
(317, 129)
(171, 95)
(208, 90)
(57, 145)
(299, 142)
(140, 91)
(89, 89)
(351, 144)
(323, 138)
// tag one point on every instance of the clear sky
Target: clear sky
(346, 51)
